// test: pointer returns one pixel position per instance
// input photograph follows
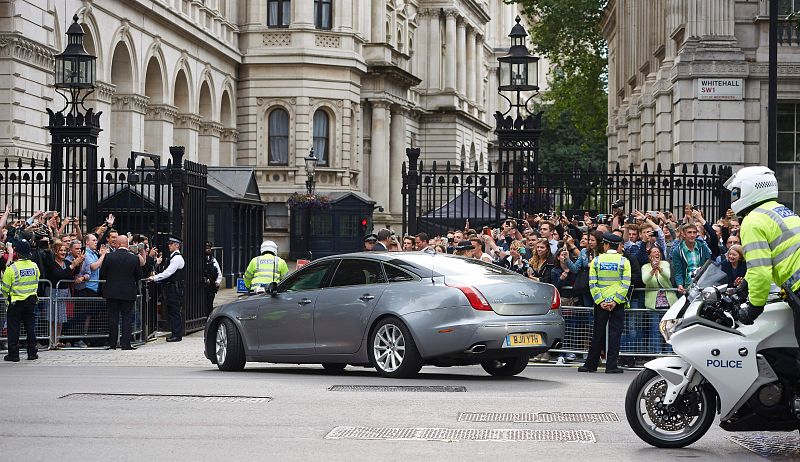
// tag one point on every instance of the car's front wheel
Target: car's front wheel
(392, 351)
(229, 349)
(506, 367)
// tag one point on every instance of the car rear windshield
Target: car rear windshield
(454, 266)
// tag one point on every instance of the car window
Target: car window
(355, 272)
(394, 274)
(310, 277)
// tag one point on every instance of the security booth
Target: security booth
(334, 225)
(235, 218)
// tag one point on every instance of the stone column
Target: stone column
(434, 47)
(208, 143)
(345, 14)
(461, 56)
(378, 21)
(450, 44)
(479, 70)
(379, 154)
(186, 133)
(127, 116)
(158, 123)
(227, 147)
(471, 69)
(397, 156)
(302, 14)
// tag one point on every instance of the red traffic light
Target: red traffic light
(363, 222)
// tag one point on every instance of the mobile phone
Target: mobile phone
(695, 207)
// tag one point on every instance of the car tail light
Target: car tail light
(556, 299)
(474, 296)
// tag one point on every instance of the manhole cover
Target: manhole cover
(177, 398)
(459, 434)
(538, 417)
(408, 388)
(783, 446)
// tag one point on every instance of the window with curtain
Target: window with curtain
(321, 131)
(279, 13)
(323, 14)
(278, 137)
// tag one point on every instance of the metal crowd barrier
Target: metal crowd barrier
(640, 336)
(63, 317)
(44, 324)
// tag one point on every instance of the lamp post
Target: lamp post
(311, 168)
(518, 136)
(74, 128)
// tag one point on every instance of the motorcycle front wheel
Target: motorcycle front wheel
(668, 426)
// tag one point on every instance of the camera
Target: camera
(695, 207)
(617, 204)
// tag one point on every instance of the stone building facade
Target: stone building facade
(688, 82)
(258, 83)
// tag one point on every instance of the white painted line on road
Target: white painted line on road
(460, 434)
(176, 398)
(539, 417)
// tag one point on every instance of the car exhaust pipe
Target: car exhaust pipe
(476, 349)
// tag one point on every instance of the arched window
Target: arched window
(323, 14)
(279, 13)
(321, 140)
(278, 137)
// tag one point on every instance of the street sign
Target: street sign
(240, 287)
(718, 89)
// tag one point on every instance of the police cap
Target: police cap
(371, 238)
(612, 239)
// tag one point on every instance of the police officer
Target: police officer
(212, 275)
(265, 268)
(19, 283)
(609, 281)
(173, 279)
(771, 239)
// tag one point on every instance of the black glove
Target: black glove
(748, 313)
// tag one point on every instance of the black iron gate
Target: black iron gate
(437, 199)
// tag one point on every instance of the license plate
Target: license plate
(522, 340)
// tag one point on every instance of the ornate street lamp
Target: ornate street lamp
(75, 68)
(518, 136)
(74, 130)
(311, 168)
(519, 70)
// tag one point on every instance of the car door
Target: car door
(286, 319)
(341, 315)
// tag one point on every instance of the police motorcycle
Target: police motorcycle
(749, 375)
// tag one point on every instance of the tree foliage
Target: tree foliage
(567, 33)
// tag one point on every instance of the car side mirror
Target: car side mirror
(272, 288)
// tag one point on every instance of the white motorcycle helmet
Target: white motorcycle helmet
(269, 246)
(750, 186)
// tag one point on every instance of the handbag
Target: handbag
(581, 284)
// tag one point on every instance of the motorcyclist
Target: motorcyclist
(770, 234)
(265, 268)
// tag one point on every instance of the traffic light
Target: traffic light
(364, 223)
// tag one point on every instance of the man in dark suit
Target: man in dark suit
(383, 243)
(122, 272)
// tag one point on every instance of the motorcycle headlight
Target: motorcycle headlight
(667, 327)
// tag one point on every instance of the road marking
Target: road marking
(539, 417)
(400, 388)
(459, 434)
(175, 398)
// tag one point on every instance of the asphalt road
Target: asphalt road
(37, 421)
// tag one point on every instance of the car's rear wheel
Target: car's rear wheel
(392, 351)
(505, 367)
(333, 366)
(229, 349)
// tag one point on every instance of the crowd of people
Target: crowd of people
(71, 263)
(663, 249)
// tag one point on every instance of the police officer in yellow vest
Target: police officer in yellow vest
(770, 234)
(609, 282)
(19, 283)
(265, 268)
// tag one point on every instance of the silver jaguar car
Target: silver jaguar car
(394, 311)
